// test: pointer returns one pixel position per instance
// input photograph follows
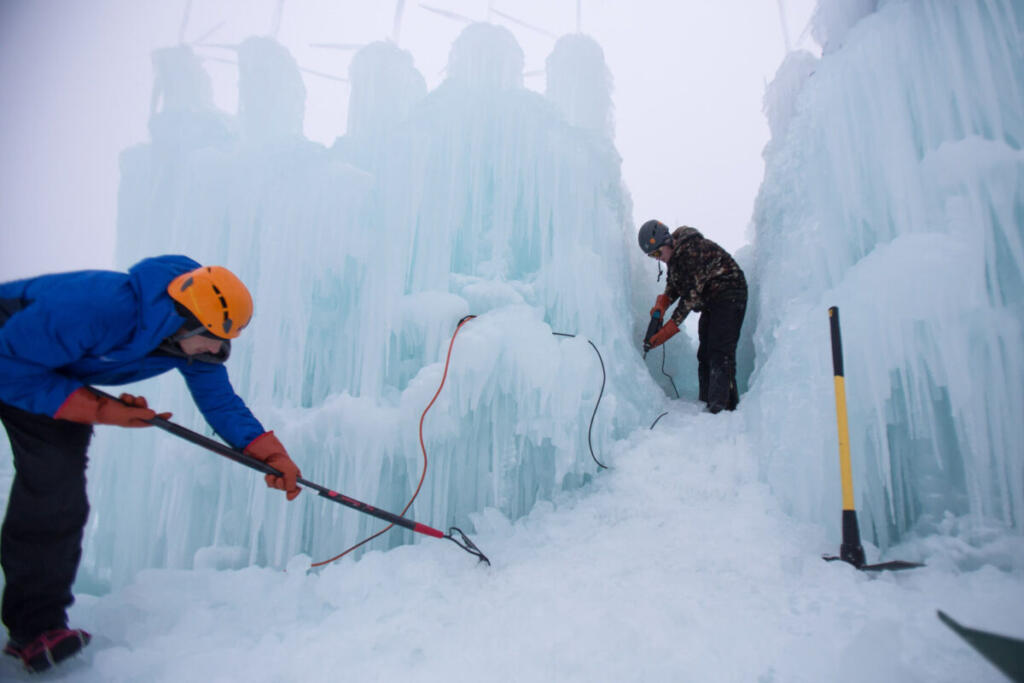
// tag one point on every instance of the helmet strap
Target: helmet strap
(191, 327)
(185, 334)
(659, 272)
(171, 348)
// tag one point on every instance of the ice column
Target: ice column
(579, 84)
(271, 94)
(385, 88)
(894, 189)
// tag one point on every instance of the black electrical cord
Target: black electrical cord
(604, 377)
(664, 353)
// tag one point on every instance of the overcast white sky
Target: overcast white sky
(76, 78)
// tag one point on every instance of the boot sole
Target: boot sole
(51, 657)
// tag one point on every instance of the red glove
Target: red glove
(267, 449)
(664, 334)
(661, 304)
(88, 408)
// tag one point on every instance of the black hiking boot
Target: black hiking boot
(49, 648)
(719, 386)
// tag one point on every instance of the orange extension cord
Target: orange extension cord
(423, 475)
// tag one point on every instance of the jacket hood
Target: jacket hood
(684, 233)
(157, 316)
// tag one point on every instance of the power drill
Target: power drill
(652, 329)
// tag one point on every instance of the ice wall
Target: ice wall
(477, 198)
(894, 188)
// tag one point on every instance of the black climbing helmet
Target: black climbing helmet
(653, 234)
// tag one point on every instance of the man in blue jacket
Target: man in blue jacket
(60, 332)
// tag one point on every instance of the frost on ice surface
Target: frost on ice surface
(898, 195)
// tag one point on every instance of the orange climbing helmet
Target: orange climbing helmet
(216, 298)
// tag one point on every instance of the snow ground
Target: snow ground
(674, 565)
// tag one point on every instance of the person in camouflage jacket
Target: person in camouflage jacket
(703, 277)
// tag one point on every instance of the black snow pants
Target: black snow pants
(41, 538)
(718, 332)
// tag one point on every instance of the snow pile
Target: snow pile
(676, 565)
(895, 192)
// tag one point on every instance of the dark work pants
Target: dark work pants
(718, 332)
(41, 538)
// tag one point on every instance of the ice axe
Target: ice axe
(242, 458)
(850, 550)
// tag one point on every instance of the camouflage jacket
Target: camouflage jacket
(701, 273)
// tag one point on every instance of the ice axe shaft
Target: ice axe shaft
(252, 463)
(850, 551)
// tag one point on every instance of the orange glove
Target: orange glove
(661, 304)
(88, 408)
(664, 334)
(267, 449)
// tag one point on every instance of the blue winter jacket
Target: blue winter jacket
(102, 327)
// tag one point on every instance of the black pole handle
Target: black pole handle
(837, 342)
(251, 462)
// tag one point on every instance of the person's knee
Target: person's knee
(722, 359)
